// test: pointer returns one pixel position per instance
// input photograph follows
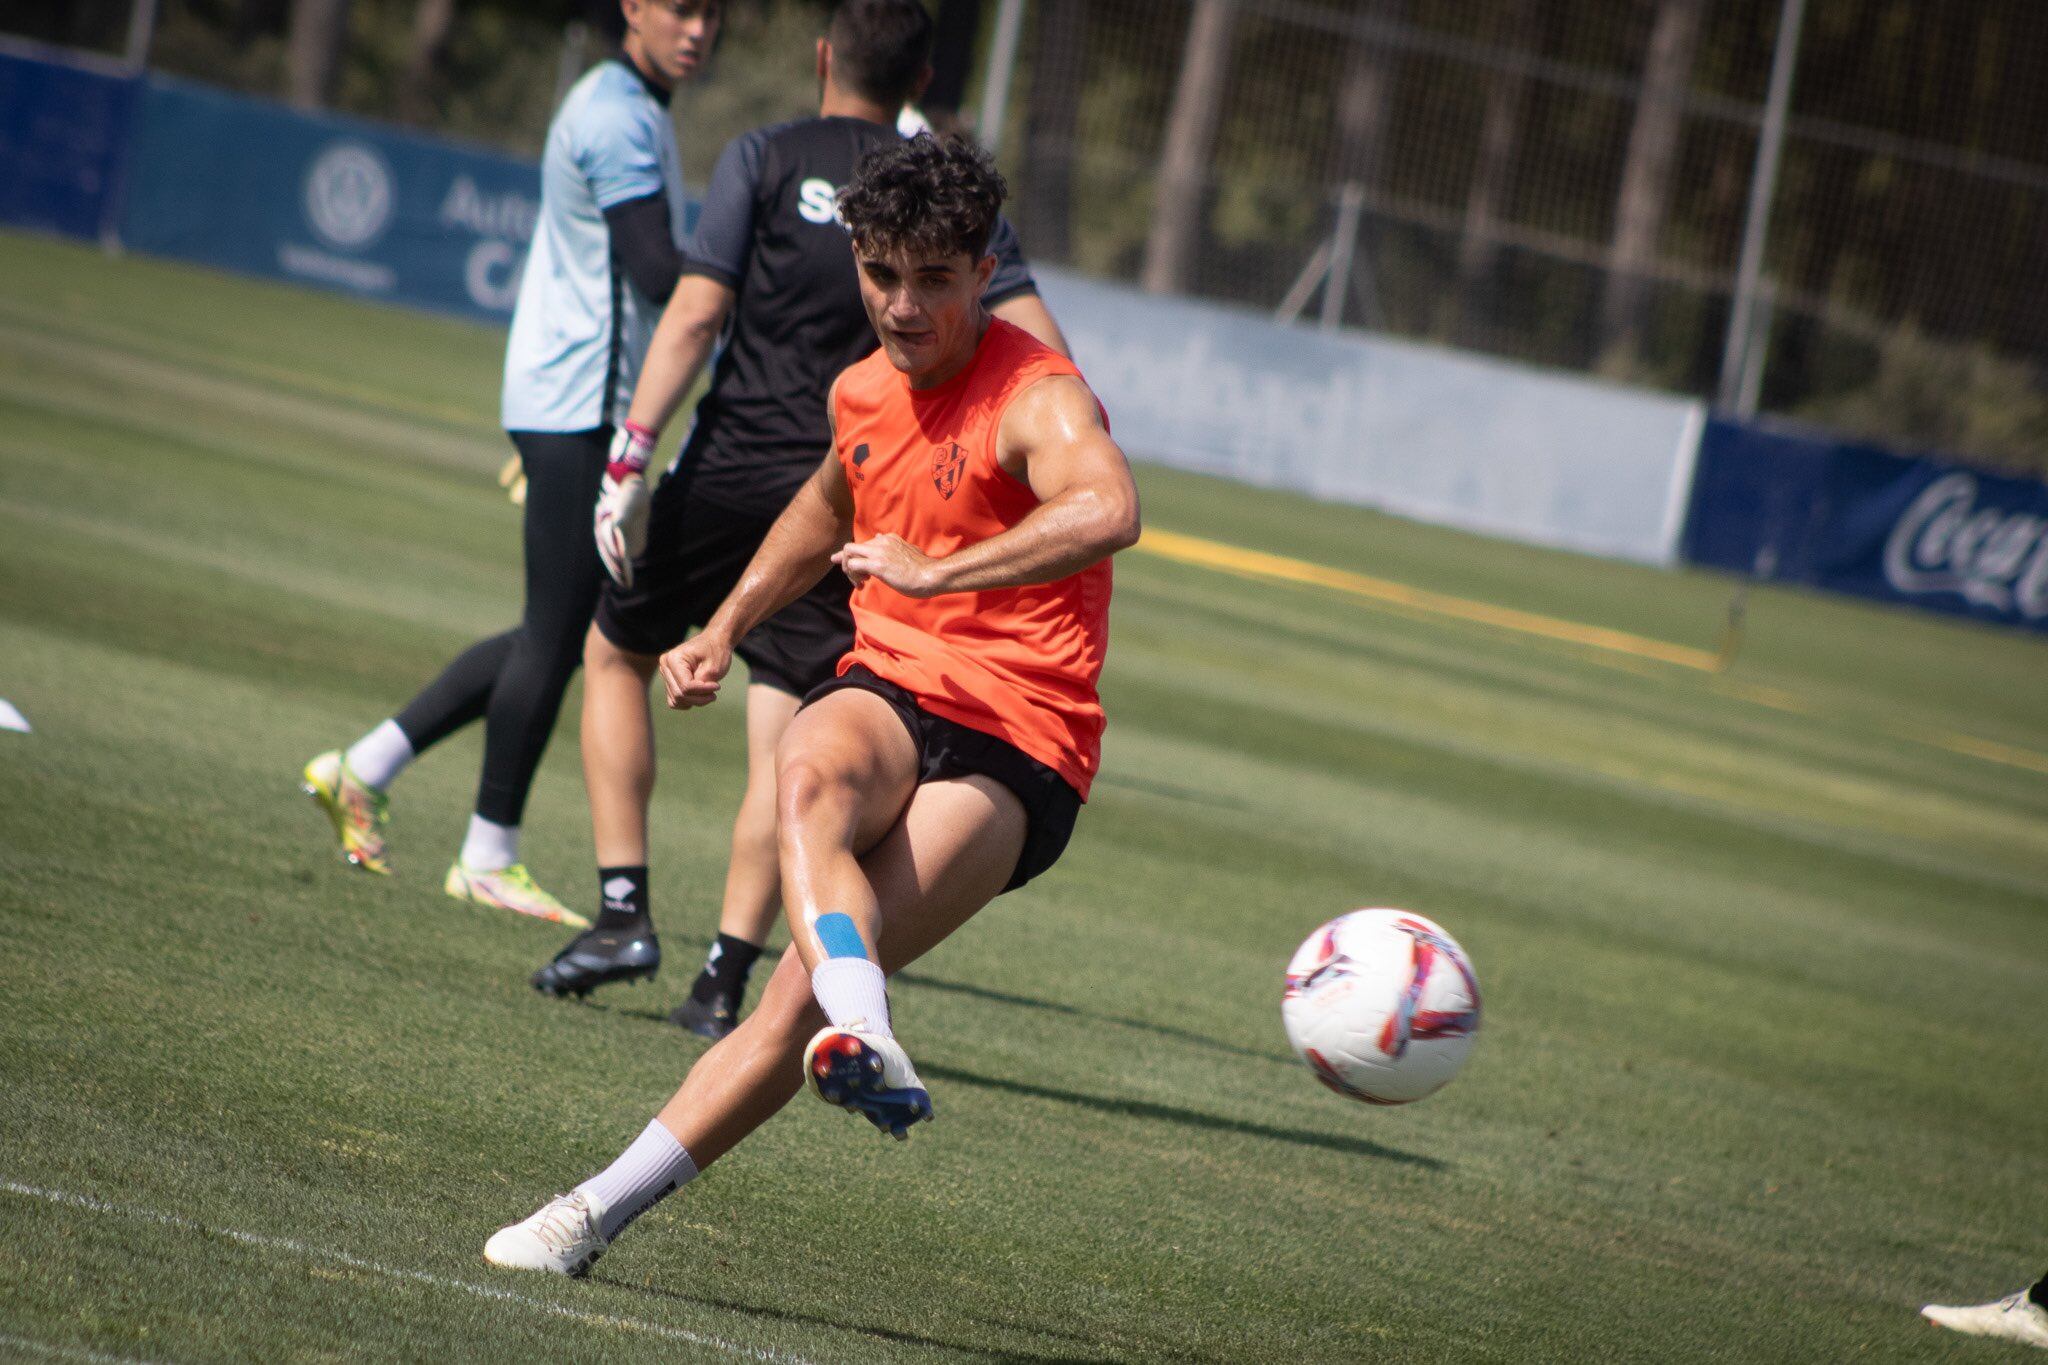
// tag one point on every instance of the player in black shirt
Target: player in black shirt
(769, 281)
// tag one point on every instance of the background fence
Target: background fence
(1559, 181)
(1566, 183)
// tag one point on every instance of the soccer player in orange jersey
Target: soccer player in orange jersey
(974, 496)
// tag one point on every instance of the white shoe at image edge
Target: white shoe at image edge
(2013, 1318)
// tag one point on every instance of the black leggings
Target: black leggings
(515, 681)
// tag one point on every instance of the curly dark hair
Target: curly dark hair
(936, 194)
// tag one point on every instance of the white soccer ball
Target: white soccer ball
(1382, 1005)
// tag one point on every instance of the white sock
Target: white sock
(380, 756)
(650, 1170)
(851, 990)
(489, 847)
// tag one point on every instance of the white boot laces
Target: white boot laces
(563, 1222)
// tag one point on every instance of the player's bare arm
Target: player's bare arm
(683, 342)
(1053, 439)
(1029, 312)
(794, 556)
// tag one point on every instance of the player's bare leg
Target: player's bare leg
(753, 876)
(618, 774)
(618, 748)
(845, 771)
(844, 774)
(948, 856)
(753, 881)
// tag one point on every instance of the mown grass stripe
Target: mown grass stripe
(1992, 750)
(1259, 565)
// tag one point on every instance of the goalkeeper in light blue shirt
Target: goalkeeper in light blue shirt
(605, 257)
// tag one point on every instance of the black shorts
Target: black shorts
(946, 748)
(696, 551)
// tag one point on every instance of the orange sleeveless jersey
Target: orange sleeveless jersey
(1017, 663)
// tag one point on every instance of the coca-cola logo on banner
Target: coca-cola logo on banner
(1992, 557)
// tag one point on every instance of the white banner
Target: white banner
(1426, 432)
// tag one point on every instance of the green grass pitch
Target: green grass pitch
(1765, 1059)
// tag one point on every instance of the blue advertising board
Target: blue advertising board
(1853, 518)
(63, 129)
(254, 187)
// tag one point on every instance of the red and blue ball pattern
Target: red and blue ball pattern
(1383, 1005)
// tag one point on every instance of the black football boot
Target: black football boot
(707, 1014)
(598, 957)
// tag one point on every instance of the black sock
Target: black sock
(622, 896)
(2039, 1293)
(725, 971)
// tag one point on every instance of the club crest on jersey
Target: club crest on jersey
(947, 462)
(860, 457)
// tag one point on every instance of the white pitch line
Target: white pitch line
(44, 1348)
(482, 1291)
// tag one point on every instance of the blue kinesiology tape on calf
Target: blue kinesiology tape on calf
(839, 936)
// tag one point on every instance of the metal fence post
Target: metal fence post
(569, 61)
(1736, 395)
(995, 85)
(141, 32)
(1337, 288)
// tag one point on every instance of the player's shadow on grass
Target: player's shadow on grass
(1179, 1035)
(864, 1329)
(1031, 1002)
(1192, 1118)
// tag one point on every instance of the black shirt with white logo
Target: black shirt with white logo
(769, 231)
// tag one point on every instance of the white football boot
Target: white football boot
(869, 1074)
(561, 1238)
(2012, 1318)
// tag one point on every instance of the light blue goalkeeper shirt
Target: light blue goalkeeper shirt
(581, 328)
